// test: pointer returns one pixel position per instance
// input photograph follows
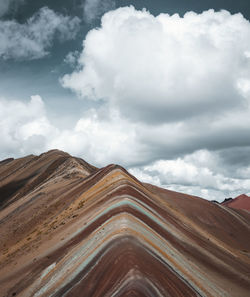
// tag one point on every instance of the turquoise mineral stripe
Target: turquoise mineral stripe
(90, 249)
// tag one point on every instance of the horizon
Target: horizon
(161, 88)
(226, 199)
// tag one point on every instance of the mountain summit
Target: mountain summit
(68, 228)
(240, 202)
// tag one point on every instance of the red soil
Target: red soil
(240, 202)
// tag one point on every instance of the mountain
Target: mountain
(240, 202)
(70, 229)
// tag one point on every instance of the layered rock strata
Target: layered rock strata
(70, 229)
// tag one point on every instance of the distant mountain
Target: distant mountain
(69, 229)
(240, 202)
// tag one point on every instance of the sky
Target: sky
(160, 87)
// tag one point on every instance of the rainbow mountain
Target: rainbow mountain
(68, 229)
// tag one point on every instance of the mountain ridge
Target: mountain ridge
(101, 232)
(240, 202)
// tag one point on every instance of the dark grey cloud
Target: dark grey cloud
(236, 156)
(94, 9)
(7, 6)
(32, 39)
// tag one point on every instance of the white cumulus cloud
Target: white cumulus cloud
(182, 85)
(196, 174)
(165, 68)
(32, 39)
(171, 103)
(102, 140)
(24, 127)
(106, 137)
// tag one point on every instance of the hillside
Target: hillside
(240, 202)
(68, 228)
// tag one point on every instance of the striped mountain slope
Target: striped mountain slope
(70, 229)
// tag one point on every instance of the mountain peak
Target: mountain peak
(240, 202)
(77, 230)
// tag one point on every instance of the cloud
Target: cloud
(170, 102)
(103, 136)
(182, 86)
(4, 6)
(93, 9)
(102, 140)
(7, 5)
(165, 68)
(32, 39)
(72, 58)
(24, 127)
(197, 174)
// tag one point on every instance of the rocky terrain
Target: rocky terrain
(70, 229)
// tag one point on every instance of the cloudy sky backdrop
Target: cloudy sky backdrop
(160, 87)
